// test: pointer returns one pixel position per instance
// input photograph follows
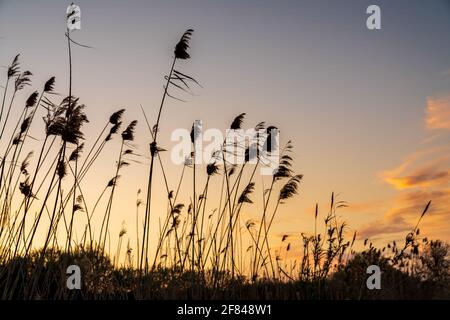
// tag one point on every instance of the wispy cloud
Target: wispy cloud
(419, 170)
(405, 212)
(383, 227)
(409, 204)
(424, 175)
(438, 113)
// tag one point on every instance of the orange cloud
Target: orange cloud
(392, 225)
(423, 176)
(405, 212)
(410, 204)
(438, 113)
(419, 170)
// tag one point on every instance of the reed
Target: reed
(205, 246)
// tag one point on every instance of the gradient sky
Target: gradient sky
(368, 111)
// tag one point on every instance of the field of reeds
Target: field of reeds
(203, 250)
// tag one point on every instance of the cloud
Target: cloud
(384, 227)
(424, 175)
(410, 204)
(438, 113)
(426, 168)
(405, 212)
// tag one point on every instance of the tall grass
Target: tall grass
(207, 244)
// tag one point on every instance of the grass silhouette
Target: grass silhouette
(199, 254)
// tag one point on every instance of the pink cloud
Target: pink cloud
(438, 113)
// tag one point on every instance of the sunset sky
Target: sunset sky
(368, 111)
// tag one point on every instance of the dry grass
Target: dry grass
(201, 253)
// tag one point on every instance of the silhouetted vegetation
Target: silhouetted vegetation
(203, 250)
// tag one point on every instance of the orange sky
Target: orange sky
(368, 112)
